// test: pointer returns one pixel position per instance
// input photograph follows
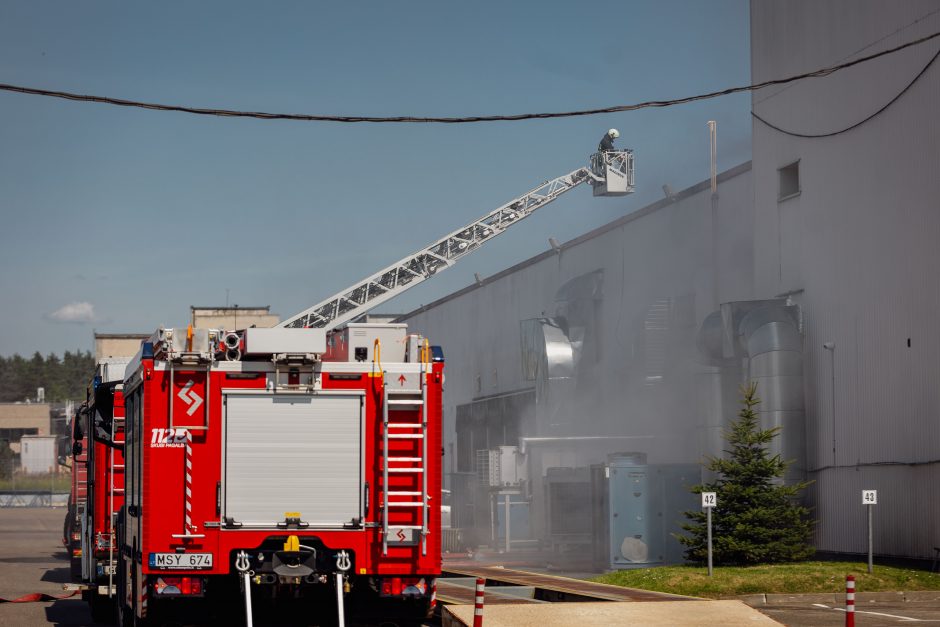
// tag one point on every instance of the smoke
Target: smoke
(607, 372)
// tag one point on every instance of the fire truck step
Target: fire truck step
(404, 425)
(406, 436)
(405, 459)
(397, 527)
(406, 401)
(399, 493)
(405, 503)
(406, 469)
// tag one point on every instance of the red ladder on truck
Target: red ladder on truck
(117, 439)
(405, 402)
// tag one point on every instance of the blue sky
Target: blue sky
(119, 219)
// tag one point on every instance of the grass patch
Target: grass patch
(802, 577)
(59, 482)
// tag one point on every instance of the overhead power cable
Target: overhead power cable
(860, 122)
(826, 71)
(759, 99)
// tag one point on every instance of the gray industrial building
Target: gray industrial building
(812, 269)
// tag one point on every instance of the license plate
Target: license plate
(181, 561)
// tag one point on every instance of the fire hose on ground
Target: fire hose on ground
(40, 597)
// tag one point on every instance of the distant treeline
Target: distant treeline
(63, 379)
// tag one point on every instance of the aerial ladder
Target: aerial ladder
(610, 174)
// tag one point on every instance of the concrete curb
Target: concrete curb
(761, 600)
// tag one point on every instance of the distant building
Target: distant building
(117, 344)
(234, 317)
(38, 454)
(19, 419)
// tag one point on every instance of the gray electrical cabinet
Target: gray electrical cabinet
(637, 508)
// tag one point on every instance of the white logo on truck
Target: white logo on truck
(188, 396)
(168, 438)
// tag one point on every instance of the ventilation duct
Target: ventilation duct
(548, 358)
(576, 313)
(761, 341)
(554, 349)
(546, 351)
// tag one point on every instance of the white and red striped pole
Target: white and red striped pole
(850, 601)
(478, 605)
(188, 518)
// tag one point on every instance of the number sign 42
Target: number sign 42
(709, 499)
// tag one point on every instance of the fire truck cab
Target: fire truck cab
(281, 463)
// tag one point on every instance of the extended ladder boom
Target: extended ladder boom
(443, 253)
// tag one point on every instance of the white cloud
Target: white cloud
(79, 313)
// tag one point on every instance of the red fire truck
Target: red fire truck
(78, 495)
(276, 464)
(98, 486)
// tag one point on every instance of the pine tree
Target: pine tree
(757, 519)
(62, 379)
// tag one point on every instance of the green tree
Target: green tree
(62, 379)
(6, 460)
(54, 382)
(16, 383)
(36, 375)
(757, 519)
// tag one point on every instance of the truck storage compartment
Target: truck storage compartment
(292, 453)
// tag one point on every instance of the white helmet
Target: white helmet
(614, 133)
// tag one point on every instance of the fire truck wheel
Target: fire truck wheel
(102, 609)
(135, 620)
(122, 614)
(408, 613)
(420, 610)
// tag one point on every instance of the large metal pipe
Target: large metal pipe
(774, 348)
(759, 341)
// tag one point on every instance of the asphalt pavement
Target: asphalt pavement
(33, 560)
(813, 612)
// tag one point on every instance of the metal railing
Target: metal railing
(32, 498)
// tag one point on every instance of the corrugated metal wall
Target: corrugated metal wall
(860, 244)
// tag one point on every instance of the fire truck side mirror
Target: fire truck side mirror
(76, 448)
